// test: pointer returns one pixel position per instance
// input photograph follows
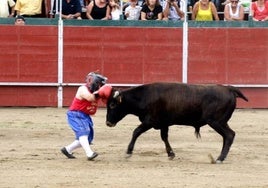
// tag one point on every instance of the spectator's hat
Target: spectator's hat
(19, 17)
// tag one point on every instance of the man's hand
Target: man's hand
(173, 3)
(70, 16)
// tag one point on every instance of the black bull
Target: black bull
(160, 105)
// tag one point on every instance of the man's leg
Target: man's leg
(85, 144)
(67, 151)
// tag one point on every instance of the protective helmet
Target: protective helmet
(95, 81)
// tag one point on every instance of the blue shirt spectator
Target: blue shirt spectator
(71, 9)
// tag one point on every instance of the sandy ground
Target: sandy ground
(31, 138)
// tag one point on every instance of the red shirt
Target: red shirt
(260, 15)
(87, 107)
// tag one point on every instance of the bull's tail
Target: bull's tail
(237, 93)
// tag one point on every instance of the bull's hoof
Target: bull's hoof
(218, 162)
(128, 155)
(171, 156)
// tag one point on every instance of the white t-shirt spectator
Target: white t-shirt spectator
(134, 12)
(173, 15)
(4, 9)
(116, 14)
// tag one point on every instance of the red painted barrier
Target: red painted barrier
(258, 98)
(130, 55)
(28, 54)
(28, 96)
(233, 55)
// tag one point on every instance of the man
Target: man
(85, 104)
(71, 9)
(29, 8)
(4, 8)
(19, 20)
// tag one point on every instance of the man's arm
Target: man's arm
(166, 9)
(78, 10)
(214, 12)
(17, 7)
(227, 13)
(12, 4)
(83, 93)
(178, 10)
(89, 10)
(108, 12)
(143, 16)
(77, 15)
(241, 14)
(195, 9)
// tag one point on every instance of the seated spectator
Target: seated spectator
(260, 10)
(19, 20)
(98, 9)
(233, 11)
(132, 12)
(204, 10)
(4, 8)
(172, 10)
(115, 10)
(29, 8)
(151, 10)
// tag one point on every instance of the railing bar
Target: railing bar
(43, 84)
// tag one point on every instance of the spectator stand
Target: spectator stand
(102, 27)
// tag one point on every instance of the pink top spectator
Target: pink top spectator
(260, 13)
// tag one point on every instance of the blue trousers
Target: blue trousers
(81, 124)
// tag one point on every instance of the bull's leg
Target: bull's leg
(228, 136)
(136, 133)
(164, 136)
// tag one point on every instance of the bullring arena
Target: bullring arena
(43, 63)
(31, 139)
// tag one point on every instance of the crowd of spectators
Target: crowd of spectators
(199, 10)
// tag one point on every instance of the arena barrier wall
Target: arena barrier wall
(128, 56)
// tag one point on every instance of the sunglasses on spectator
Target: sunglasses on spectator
(234, 1)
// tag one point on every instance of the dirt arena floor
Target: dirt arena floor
(31, 138)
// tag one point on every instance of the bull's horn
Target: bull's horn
(116, 94)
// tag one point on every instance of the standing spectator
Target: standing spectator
(71, 9)
(190, 5)
(4, 8)
(98, 9)
(217, 4)
(115, 9)
(29, 8)
(172, 10)
(204, 11)
(133, 11)
(19, 20)
(233, 11)
(260, 10)
(151, 10)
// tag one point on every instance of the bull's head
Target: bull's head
(115, 108)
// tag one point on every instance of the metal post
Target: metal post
(60, 56)
(121, 9)
(185, 45)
